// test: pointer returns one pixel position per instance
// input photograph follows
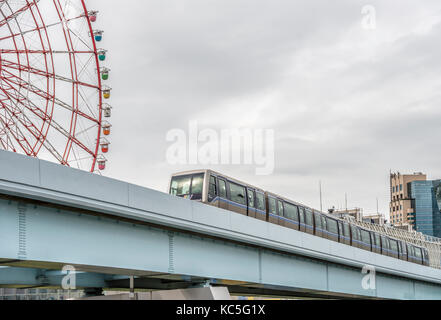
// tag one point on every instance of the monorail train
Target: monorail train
(218, 190)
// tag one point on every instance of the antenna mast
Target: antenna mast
(321, 200)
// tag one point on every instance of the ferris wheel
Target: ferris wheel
(53, 88)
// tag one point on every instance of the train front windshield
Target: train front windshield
(188, 186)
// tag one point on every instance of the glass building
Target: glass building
(426, 203)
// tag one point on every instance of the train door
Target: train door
(418, 255)
(340, 232)
(365, 238)
(393, 246)
(272, 210)
(223, 198)
(318, 224)
(251, 203)
(426, 260)
(346, 234)
(280, 212)
(302, 219)
(402, 253)
(213, 198)
(332, 228)
(291, 215)
(309, 221)
(355, 236)
(260, 206)
(386, 246)
(376, 243)
(411, 253)
(324, 227)
(238, 198)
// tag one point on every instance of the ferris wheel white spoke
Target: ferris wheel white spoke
(29, 105)
(13, 15)
(16, 102)
(80, 159)
(45, 95)
(38, 28)
(3, 144)
(64, 132)
(16, 66)
(20, 138)
(86, 130)
(79, 38)
(49, 147)
(45, 143)
(26, 123)
(35, 110)
(87, 104)
(8, 145)
(84, 68)
(57, 127)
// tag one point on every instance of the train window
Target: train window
(302, 215)
(212, 190)
(426, 256)
(365, 236)
(355, 233)
(250, 194)
(280, 208)
(411, 251)
(400, 248)
(403, 247)
(358, 234)
(308, 217)
(196, 184)
(260, 199)
(418, 254)
(340, 227)
(180, 186)
(393, 245)
(346, 231)
(386, 243)
(291, 212)
(332, 225)
(318, 220)
(272, 206)
(324, 227)
(237, 193)
(222, 189)
(377, 239)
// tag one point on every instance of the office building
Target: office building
(400, 204)
(426, 203)
(416, 202)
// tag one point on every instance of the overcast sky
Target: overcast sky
(346, 104)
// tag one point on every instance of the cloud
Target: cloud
(347, 104)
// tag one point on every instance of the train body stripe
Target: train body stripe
(237, 205)
(294, 222)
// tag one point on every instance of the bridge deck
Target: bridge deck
(110, 226)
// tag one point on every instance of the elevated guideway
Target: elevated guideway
(52, 216)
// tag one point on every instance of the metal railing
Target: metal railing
(432, 244)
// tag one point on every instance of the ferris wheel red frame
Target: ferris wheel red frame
(51, 83)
